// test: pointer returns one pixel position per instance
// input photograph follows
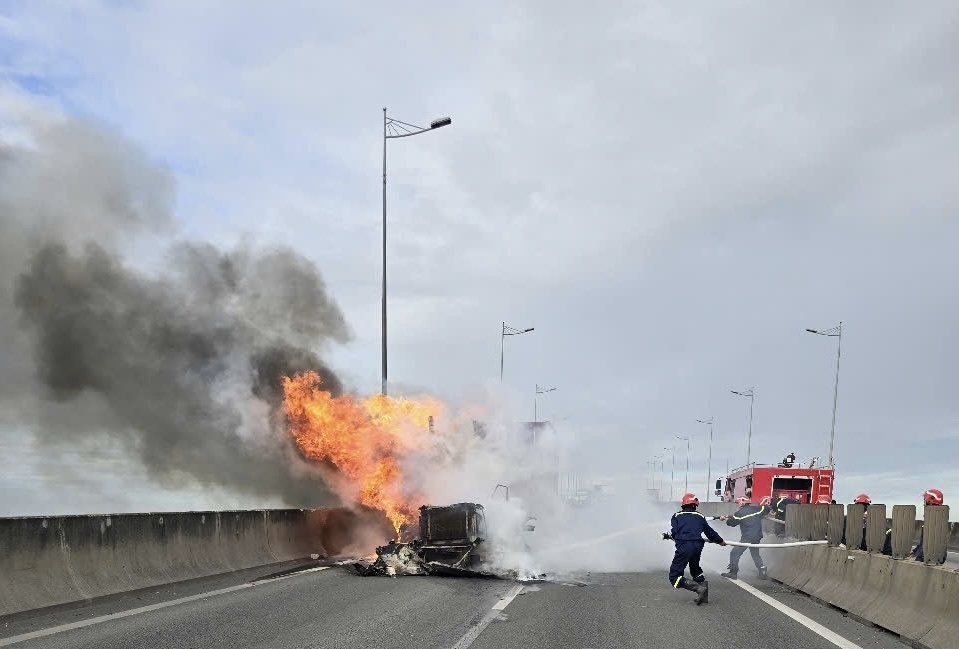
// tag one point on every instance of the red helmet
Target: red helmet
(766, 500)
(690, 499)
(862, 499)
(933, 497)
(742, 500)
(823, 500)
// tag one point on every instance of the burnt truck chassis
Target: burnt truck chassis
(451, 544)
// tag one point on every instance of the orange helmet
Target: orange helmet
(766, 500)
(742, 500)
(932, 497)
(862, 499)
(690, 499)
(823, 500)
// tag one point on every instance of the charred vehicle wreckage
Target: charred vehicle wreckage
(453, 541)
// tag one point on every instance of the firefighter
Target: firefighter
(864, 499)
(931, 497)
(789, 460)
(687, 529)
(778, 507)
(749, 518)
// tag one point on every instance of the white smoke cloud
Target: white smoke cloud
(527, 488)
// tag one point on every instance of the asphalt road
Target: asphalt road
(333, 608)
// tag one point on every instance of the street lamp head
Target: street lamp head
(441, 122)
(812, 331)
(526, 331)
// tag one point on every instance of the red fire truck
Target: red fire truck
(807, 485)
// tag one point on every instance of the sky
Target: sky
(670, 194)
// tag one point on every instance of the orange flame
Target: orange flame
(365, 439)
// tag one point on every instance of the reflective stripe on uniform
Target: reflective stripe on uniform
(756, 513)
(676, 583)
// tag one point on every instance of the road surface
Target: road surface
(329, 607)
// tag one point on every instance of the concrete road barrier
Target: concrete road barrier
(57, 560)
(919, 602)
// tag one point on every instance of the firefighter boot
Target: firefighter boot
(702, 589)
(728, 575)
(695, 587)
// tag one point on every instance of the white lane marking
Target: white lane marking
(43, 633)
(470, 636)
(509, 597)
(809, 623)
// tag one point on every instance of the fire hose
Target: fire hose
(791, 544)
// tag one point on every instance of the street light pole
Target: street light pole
(709, 464)
(662, 474)
(672, 470)
(751, 393)
(686, 483)
(835, 332)
(539, 391)
(392, 129)
(508, 331)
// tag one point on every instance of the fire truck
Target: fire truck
(807, 485)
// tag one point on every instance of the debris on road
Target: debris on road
(452, 544)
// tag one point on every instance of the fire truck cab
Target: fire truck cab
(754, 481)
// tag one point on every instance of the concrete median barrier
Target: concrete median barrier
(919, 602)
(58, 560)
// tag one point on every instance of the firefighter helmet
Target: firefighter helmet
(742, 500)
(862, 499)
(933, 497)
(690, 499)
(823, 500)
(766, 500)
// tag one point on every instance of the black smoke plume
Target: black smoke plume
(170, 350)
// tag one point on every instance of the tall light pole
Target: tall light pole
(686, 488)
(651, 482)
(662, 474)
(393, 129)
(672, 471)
(837, 333)
(751, 393)
(539, 391)
(508, 331)
(709, 464)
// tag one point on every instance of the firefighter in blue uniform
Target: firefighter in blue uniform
(688, 527)
(777, 507)
(749, 518)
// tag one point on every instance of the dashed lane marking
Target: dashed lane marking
(470, 636)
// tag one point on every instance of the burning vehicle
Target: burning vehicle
(453, 542)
